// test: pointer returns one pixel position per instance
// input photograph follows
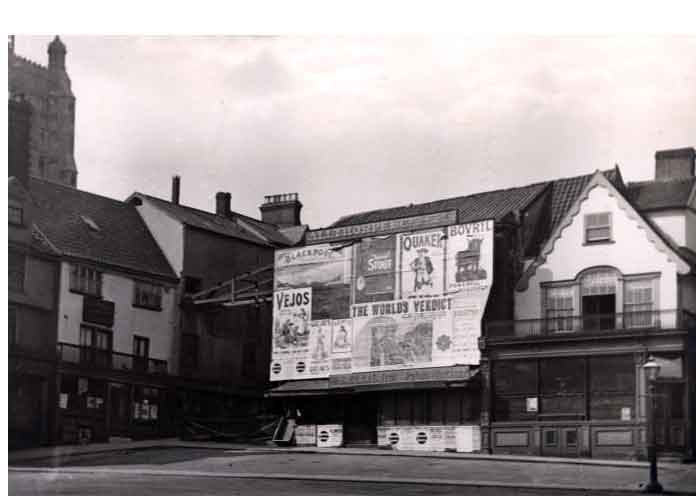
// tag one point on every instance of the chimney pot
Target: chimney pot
(176, 189)
(282, 210)
(675, 164)
(222, 203)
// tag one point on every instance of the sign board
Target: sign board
(329, 435)
(412, 300)
(306, 435)
(357, 231)
(532, 404)
(462, 438)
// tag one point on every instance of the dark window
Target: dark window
(387, 410)
(562, 384)
(598, 227)
(148, 295)
(12, 317)
(16, 268)
(82, 393)
(612, 386)
(189, 352)
(15, 215)
(146, 403)
(598, 312)
(141, 346)
(550, 438)
(192, 284)
(95, 346)
(513, 382)
(85, 280)
(571, 438)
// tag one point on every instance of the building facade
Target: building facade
(116, 313)
(612, 285)
(52, 131)
(222, 349)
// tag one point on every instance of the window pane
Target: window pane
(515, 377)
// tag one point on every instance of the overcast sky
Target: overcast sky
(358, 123)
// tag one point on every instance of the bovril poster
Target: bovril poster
(411, 300)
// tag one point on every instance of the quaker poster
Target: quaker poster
(404, 301)
(422, 263)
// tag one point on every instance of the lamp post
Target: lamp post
(652, 370)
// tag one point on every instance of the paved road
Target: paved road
(34, 484)
(169, 470)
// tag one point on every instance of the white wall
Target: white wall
(631, 252)
(159, 326)
(672, 223)
(168, 233)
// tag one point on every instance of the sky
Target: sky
(355, 123)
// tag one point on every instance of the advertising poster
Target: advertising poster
(290, 346)
(341, 346)
(402, 334)
(375, 269)
(422, 263)
(324, 268)
(418, 299)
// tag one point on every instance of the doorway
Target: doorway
(670, 416)
(599, 312)
(119, 410)
(560, 441)
(360, 419)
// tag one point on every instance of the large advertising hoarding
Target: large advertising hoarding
(403, 301)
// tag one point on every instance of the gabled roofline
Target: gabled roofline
(599, 179)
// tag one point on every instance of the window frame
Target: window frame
(137, 339)
(14, 269)
(587, 227)
(13, 219)
(153, 290)
(79, 280)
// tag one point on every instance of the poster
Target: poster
(375, 269)
(329, 435)
(402, 334)
(324, 268)
(403, 301)
(422, 263)
(306, 435)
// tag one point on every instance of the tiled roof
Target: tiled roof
(479, 206)
(490, 204)
(654, 195)
(249, 229)
(121, 238)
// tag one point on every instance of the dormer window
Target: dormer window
(15, 215)
(598, 227)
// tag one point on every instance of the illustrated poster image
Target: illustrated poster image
(422, 263)
(375, 273)
(319, 348)
(291, 311)
(469, 256)
(342, 336)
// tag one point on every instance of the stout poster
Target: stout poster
(375, 269)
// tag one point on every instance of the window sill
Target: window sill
(146, 307)
(85, 293)
(599, 242)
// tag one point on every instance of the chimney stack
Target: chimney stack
(675, 164)
(176, 189)
(282, 210)
(223, 201)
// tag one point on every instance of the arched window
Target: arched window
(598, 292)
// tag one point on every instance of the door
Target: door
(560, 441)
(360, 420)
(670, 416)
(599, 312)
(119, 409)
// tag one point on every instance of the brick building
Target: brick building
(52, 132)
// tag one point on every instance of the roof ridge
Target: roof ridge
(661, 181)
(197, 209)
(81, 191)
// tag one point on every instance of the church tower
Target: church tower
(48, 90)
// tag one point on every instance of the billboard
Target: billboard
(403, 301)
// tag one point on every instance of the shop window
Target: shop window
(81, 393)
(562, 387)
(513, 382)
(403, 408)
(387, 409)
(147, 295)
(16, 270)
(85, 280)
(146, 404)
(612, 387)
(598, 227)
(15, 215)
(550, 438)
(419, 408)
(638, 303)
(453, 408)
(559, 309)
(437, 407)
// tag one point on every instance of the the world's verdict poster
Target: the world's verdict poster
(407, 300)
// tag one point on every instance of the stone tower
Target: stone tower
(48, 90)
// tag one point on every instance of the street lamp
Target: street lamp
(652, 370)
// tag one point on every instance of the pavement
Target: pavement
(171, 458)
